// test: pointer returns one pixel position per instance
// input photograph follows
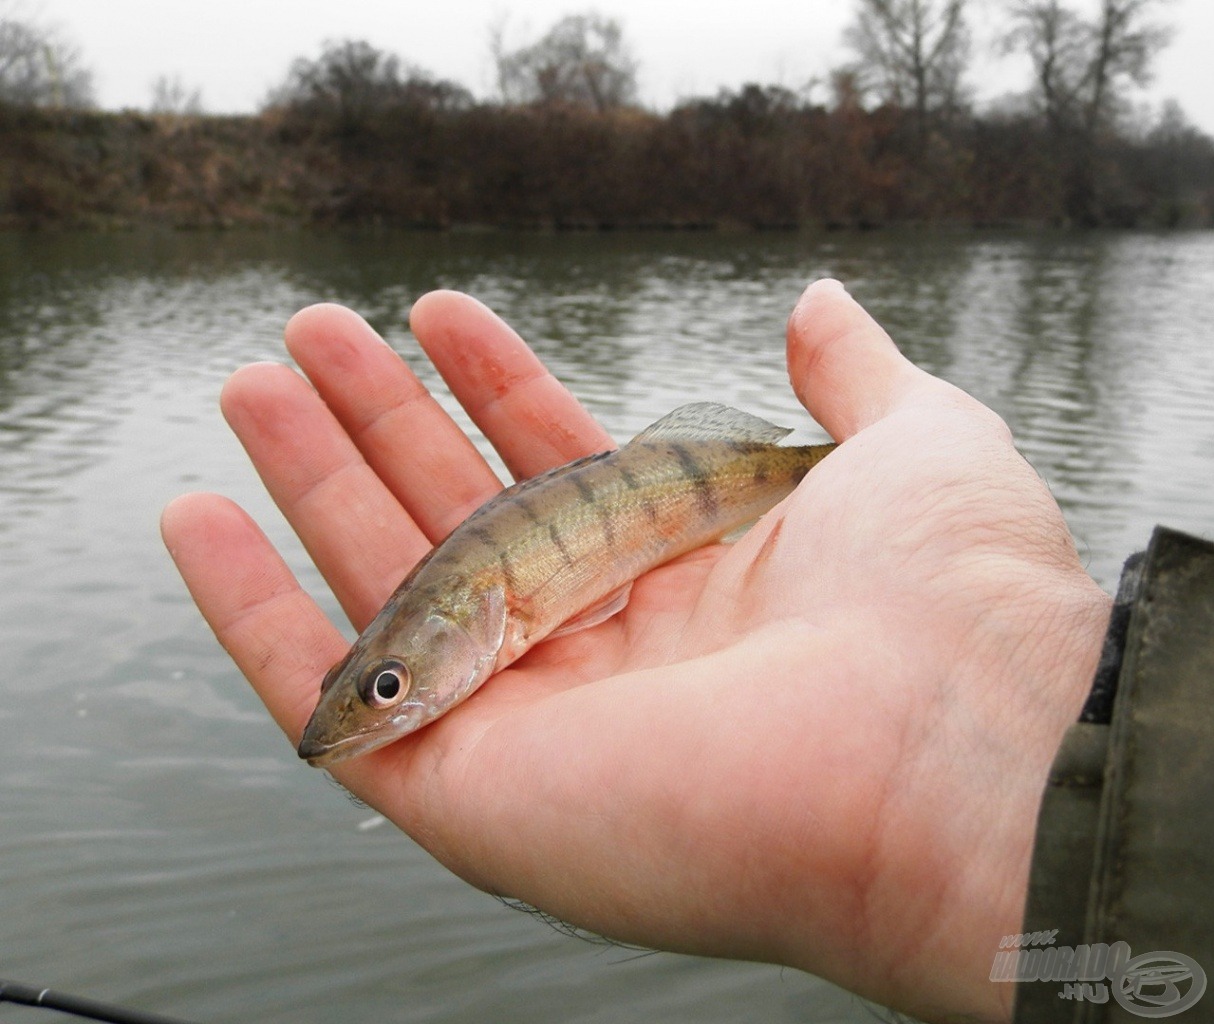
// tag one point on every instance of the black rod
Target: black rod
(28, 995)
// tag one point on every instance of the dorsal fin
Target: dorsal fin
(712, 421)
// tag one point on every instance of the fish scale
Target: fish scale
(549, 555)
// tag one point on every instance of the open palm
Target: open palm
(823, 746)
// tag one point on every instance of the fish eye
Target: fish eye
(385, 683)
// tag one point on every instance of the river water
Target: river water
(161, 845)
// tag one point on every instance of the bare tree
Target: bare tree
(1056, 42)
(1082, 68)
(173, 96)
(913, 52)
(38, 66)
(583, 60)
(352, 80)
(1125, 45)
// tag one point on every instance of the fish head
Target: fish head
(395, 680)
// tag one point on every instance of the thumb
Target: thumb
(844, 368)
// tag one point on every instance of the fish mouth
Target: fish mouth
(321, 752)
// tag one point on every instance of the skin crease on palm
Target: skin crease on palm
(823, 746)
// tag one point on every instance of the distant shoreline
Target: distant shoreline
(732, 164)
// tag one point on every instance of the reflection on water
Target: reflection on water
(160, 842)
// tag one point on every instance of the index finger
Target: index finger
(275, 633)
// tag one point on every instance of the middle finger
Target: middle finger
(414, 446)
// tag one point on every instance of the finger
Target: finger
(406, 437)
(358, 535)
(526, 413)
(274, 632)
(844, 368)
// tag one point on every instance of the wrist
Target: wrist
(1050, 675)
(980, 775)
(1124, 825)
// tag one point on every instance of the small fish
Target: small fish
(546, 557)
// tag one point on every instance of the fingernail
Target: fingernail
(828, 283)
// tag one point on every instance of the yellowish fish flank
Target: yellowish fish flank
(548, 556)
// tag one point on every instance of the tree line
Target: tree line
(359, 135)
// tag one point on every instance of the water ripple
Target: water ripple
(164, 847)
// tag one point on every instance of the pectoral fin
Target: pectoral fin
(738, 532)
(596, 613)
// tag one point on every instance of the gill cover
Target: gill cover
(402, 675)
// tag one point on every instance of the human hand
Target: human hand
(823, 746)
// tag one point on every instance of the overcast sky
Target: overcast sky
(234, 50)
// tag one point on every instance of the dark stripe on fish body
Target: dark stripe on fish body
(699, 478)
(484, 536)
(604, 514)
(529, 511)
(508, 573)
(630, 481)
(584, 489)
(555, 534)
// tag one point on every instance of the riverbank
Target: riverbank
(742, 161)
